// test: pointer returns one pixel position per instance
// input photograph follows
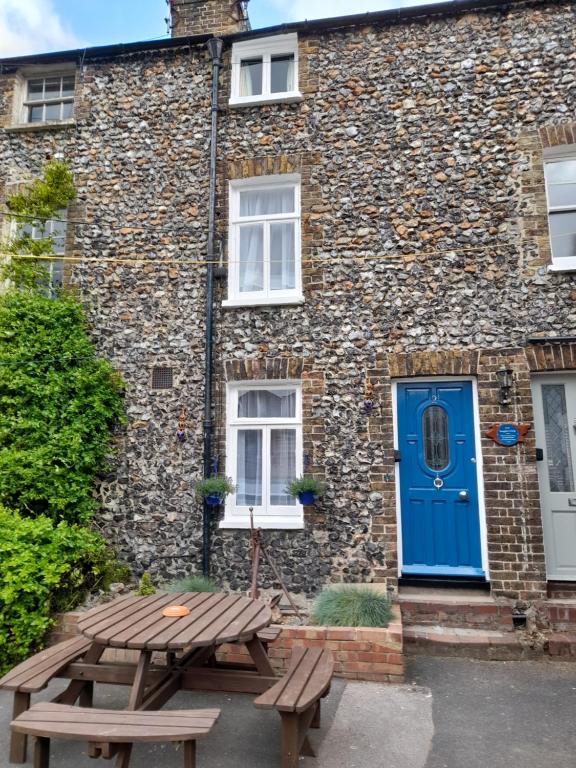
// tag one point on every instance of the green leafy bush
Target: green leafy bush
(44, 568)
(193, 584)
(58, 405)
(348, 605)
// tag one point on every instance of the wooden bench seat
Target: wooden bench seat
(113, 732)
(33, 675)
(297, 696)
(269, 634)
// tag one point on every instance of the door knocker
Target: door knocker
(438, 482)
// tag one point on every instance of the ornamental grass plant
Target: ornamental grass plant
(193, 584)
(351, 605)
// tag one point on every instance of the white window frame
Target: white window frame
(21, 103)
(37, 234)
(265, 516)
(265, 48)
(555, 155)
(237, 298)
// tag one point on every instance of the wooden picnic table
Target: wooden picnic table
(189, 643)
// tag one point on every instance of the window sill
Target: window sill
(571, 267)
(237, 101)
(265, 522)
(35, 127)
(264, 302)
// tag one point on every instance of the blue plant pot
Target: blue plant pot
(213, 500)
(306, 497)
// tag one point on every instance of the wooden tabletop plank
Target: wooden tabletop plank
(214, 618)
(113, 626)
(229, 627)
(96, 615)
(219, 628)
(186, 637)
(148, 626)
(197, 602)
(173, 626)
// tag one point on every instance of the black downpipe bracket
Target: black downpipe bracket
(215, 51)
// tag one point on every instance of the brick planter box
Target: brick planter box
(360, 653)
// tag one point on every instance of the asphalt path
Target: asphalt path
(452, 713)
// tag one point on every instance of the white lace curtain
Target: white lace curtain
(280, 236)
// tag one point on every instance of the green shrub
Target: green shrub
(44, 568)
(145, 585)
(58, 405)
(348, 605)
(193, 584)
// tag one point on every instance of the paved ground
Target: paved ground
(452, 713)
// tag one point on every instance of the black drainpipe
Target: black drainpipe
(215, 51)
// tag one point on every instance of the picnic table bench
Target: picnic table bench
(189, 643)
(113, 732)
(297, 696)
(33, 675)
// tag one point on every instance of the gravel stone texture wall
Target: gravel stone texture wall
(420, 146)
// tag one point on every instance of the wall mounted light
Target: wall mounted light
(505, 378)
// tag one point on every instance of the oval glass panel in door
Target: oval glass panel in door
(435, 438)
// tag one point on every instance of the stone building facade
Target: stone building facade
(417, 143)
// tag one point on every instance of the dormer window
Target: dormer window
(265, 70)
(44, 97)
(49, 99)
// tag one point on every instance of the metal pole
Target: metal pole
(215, 51)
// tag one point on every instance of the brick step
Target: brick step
(562, 615)
(464, 612)
(562, 646)
(486, 644)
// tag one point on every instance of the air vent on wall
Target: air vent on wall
(162, 378)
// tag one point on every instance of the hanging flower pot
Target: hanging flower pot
(305, 489)
(213, 490)
(306, 498)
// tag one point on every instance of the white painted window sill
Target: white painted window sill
(267, 523)
(263, 302)
(36, 127)
(242, 101)
(563, 267)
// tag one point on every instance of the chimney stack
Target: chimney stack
(208, 17)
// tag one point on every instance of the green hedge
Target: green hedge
(58, 406)
(44, 568)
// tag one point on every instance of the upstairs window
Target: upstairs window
(265, 70)
(49, 99)
(561, 192)
(265, 241)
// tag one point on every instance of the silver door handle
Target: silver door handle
(463, 496)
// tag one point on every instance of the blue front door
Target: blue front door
(438, 480)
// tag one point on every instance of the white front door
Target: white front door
(555, 425)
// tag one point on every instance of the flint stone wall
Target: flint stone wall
(419, 150)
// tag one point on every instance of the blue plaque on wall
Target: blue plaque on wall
(508, 434)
